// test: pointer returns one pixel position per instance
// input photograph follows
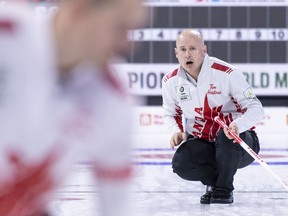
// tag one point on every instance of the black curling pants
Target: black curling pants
(213, 163)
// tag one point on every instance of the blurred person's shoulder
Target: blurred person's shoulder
(24, 32)
(16, 12)
(16, 19)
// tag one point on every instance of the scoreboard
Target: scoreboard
(242, 34)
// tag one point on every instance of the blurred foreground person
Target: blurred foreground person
(60, 103)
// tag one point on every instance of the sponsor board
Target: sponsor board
(149, 120)
(151, 138)
(146, 79)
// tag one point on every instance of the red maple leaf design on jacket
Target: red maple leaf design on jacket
(204, 123)
(24, 195)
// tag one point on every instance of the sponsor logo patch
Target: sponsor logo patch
(249, 94)
(183, 92)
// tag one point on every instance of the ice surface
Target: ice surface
(157, 191)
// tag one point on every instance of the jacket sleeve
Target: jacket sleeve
(242, 93)
(172, 112)
(111, 150)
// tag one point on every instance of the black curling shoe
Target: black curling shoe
(221, 196)
(205, 198)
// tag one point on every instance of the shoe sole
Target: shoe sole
(205, 203)
(220, 201)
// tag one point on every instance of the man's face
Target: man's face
(107, 28)
(190, 52)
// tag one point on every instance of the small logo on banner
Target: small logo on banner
(145, 119)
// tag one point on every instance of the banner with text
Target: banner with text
(149, 120)
(146, 79)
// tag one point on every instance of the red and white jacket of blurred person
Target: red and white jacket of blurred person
(49, 121)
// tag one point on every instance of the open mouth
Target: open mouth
(189, 62)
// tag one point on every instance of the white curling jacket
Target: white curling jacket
(221, 90)
(49, 122)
